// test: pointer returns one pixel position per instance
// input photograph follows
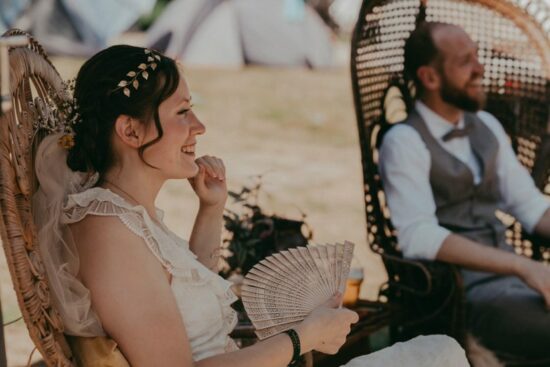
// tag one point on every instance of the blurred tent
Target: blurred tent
(76, 27)
(231, 33)
(10, 11)
(323, 8)
(344, 13)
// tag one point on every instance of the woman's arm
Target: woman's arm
(205, 240)
(211, 188)
(131, 293)
(325, 330)
(133, 299)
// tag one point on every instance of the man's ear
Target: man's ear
(128, 130)
(429, 77)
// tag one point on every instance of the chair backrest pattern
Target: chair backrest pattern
(31, 75)
(514, 48)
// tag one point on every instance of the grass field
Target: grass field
(294, 126)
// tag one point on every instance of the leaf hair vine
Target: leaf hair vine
(133, 75)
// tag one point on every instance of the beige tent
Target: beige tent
(236, 32)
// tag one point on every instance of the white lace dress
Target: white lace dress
(204, 298)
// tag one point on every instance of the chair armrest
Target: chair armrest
(418, 277)
(404, 271)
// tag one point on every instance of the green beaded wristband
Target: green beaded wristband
(295, 346)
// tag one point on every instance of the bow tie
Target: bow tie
(457, 133)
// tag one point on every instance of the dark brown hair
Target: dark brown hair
(421, 50)
(100, 102)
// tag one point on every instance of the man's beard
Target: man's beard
(459, 98)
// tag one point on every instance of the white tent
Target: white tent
(231, 33)
(77, 27)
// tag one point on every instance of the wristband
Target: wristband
(295, 346)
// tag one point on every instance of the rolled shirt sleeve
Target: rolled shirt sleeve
(405, 168)
(521, 198)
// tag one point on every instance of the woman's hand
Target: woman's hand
(325, 329)
(209, 184)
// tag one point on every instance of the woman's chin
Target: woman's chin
(185, 173)
(192, 171)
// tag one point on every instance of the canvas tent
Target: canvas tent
(344, 13)
(75, 27)
(10, 11)
(232, 33)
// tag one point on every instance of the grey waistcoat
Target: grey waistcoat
(463, 207)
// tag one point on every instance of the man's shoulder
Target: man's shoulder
(492, 123)
(401, 132)
(487, 117)
(402, 140)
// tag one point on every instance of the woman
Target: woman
(114, 267)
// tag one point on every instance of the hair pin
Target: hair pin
(133, 75)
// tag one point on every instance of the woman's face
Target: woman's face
(174, 153)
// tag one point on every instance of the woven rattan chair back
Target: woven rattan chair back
(514, 48)
(31, 75)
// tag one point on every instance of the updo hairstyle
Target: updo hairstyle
(101, 100)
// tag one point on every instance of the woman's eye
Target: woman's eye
(185, 110)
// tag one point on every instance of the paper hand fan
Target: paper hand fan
(281, 290)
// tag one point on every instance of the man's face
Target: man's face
(459, 69)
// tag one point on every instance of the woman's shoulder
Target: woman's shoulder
(102, 231)
(95, 219)
(94, 201)
(99, 218)
(106, 242)
(92, 204)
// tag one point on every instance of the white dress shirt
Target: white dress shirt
(405, 168)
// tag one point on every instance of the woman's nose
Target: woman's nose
(198, 127)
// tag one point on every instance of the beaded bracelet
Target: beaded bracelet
(295, 346)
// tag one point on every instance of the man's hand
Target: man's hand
(537, 276)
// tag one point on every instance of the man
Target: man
(446, 170)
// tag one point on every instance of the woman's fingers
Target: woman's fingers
(207, 166)
(353, 316)
(214, 166)
(334, 301)
(222, 166)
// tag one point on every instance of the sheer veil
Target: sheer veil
(57, 181)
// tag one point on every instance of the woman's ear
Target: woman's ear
(128, 130)
(429, 77)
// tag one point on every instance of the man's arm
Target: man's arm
(521, 197)
(460, 250)
(472, 255)
(404, 166)
(405, 169)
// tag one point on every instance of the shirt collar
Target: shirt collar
(437, 125)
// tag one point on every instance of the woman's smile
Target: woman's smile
(189, 150)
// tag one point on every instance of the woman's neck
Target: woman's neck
(135, 186)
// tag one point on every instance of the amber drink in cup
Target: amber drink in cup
(353, 285)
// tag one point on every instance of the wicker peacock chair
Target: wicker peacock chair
(36, 90)
(31, 75)
(515, 49)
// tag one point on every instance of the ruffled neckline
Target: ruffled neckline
(84, 198)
